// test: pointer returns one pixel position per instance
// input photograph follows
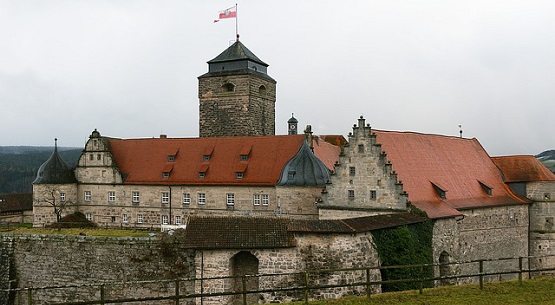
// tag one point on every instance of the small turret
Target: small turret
(55, 170)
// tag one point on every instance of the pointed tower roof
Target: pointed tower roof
(235, 52)
(305, 169)
(237, 59)
(55, 170)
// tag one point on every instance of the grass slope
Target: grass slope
(537, 291)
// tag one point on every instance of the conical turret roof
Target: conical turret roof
(55, 170)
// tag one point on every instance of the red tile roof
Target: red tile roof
(456, 165)
(142, 161)
(523, 169)
(328, 152)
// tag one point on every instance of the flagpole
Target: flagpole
(236, 22)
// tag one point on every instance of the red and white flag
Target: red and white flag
(228, 13)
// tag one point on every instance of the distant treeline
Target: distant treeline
(19, 165)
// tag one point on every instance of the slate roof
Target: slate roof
(523, 169)
(55, 171)
(260, 233)
(459, 166)
(237, 51)
(307, 169)
(142, 161)
(10, 203)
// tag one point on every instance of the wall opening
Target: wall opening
(243, 264)
(445, 268)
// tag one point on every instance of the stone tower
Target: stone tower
(236, 96)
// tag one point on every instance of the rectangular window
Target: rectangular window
(201, 198)
(165, 197)
(177, 220)
(256, 199)
(186, 198)
(124, 218)
(360, 148)
(239, 175)
(230, 199)
(164, 219)
(135, 197)
(139, 218)
(113, 218)
(202, 174)
(244, 157)
(165, 175)
(351, 194)
(88, 196)
(111, 196)
(91, 157)
(352, 171)
(98, 156)
(62, 197)
(373, 195)
(88, 216)
(265, 199)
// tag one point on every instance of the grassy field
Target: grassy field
(538, 291)
(77, 231)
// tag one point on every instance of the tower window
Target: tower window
(262, 90)
(352, 171)
(351, 194)
(228, 87)
(360, 148)
(373, 195)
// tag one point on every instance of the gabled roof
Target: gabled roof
(523, 169)
(142, 161)
(10, 203)
(237, 51)
(261, 233)
(237, 233)
(460, 167)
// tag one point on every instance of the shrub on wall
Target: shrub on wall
(405, 245)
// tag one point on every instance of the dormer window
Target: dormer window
(239, 175)
(172, 154)
(167, 170)
(486, 188)
(165, 175)
(202, 170)
(441, 192)
(290, 175)
(202, 174)
(245, 152)
(228, 87)
(207, 153)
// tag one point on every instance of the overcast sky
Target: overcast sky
(129, 68)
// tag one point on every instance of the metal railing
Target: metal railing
(302, 285)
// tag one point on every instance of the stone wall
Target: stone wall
(247, 110)
(283, 267)
(46, 261)
(296, 202)
(493, 233)
(542, 224)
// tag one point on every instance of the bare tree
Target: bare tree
(52, 196)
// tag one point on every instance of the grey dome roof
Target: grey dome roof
(55, 170)
(305, 169)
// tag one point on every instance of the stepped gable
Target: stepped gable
(237, 233)
(435, 166)
(260, 159)
(55, 170)
(523, 169)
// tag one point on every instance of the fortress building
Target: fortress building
(317, 196)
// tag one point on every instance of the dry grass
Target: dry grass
(77, 231)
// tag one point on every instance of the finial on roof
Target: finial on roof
(237, 37)
(55, 142)
(460, 131)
